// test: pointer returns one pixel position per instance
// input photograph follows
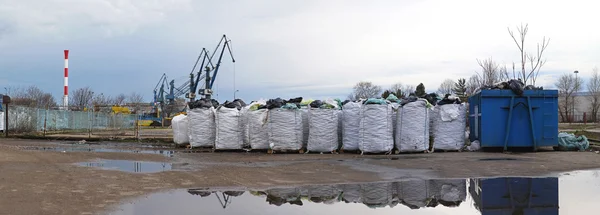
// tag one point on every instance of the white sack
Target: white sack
(285, 129)
(229, 133)
(202, 127)
(412, 128)
(376, 129)
(257, 136)
(322, 130)
(351, 125)
(180, 125)
(448, 126)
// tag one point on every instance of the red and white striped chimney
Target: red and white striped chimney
(66, 93)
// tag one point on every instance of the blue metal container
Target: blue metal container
(528, 196)
(500, 118)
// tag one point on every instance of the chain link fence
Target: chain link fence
(56, 121)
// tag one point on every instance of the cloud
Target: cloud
(285, 48)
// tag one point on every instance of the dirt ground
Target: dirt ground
(45, 182)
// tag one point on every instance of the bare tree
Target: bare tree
(120, 99)
(567, 85)
(33, 97)
(473, 84)
(446, 87)
(491, 73)
(135, 100)
(593, 87)
(365, 90)
(535, 60)
(81, 98)
(404, 90)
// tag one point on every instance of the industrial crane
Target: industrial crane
(207, 65)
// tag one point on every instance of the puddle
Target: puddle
(129, 166)
(94, 149)
(573, 193)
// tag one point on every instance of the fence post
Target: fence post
(584, 118)
(45, 119)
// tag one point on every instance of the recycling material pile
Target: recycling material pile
(515, 85)
(323, 123)
(412, 128)
(255, 130)
(297, 124)
(230, 125)
(376, 127)
(285, 124)
(448, 123)
(202, 126)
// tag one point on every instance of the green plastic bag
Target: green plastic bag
(569, 142)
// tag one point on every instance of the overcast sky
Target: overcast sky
(289, 48)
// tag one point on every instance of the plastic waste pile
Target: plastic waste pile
(180, 124)
(202, 127)
(230, 125)
(570, 142)
(516, 85)
(448, 125)
(412, 127)
(285, 124)
(448, 192)
(351, 125)
(323, 123)
(255, 131)
(376, 128)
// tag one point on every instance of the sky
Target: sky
(309, 48)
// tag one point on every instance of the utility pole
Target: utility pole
(575, 96)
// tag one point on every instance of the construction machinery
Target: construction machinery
(210, 70)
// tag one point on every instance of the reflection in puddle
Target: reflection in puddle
(90, 149)
(129, 166)
(445, 196)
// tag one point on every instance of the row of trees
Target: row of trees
(78, 99)
(568, 85)
(364, 89)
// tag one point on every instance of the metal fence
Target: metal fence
(26, 119)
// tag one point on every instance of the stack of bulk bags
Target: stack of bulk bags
(256, 126)
(351, 125)
(448, 126)
(229, 126)
(412, 127)
(285, 129)
(202, 127)
(376, 128)
(280, 196)
(376, 195)
(323, 125)
(327, 194)
(180, 124)
(305, 126)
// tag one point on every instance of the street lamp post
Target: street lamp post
(574, 96)
(234, 92)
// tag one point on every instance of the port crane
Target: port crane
(210, 70)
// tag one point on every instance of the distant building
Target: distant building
(583, 102)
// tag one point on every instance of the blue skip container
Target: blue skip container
(500, 118)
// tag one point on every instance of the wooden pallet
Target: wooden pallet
(231, 150)
(397, 151)
(271, 151)
(342, 151)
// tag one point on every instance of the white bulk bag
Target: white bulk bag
(412, 128)
(322, 130)
(285, 129)
(180, 125)
(351, 193)
(448, 126)
(351, 125)
(202, 127)
(257, 136)
(414, 193)
(376, 129)
(304, 112)
(377, 194)
(229, 133)
(449, 190)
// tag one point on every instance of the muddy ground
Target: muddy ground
(47, 182)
